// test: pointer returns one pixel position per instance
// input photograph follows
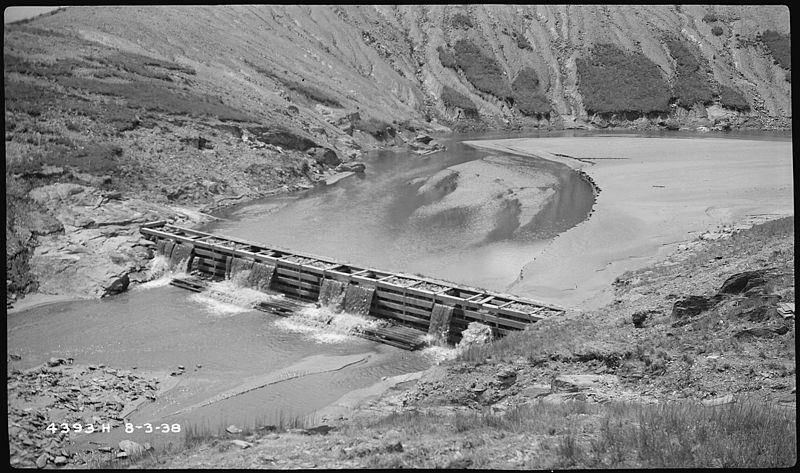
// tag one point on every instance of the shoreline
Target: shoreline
(656, 195)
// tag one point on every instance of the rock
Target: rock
(536, 390)
(742, 282)
(55, 361)
(423, 138)
(241, 443)
(325, 157)
(232, 429)
(639, 318)
(60, 460)
(580, 382)
(41, 461)
(131, 448)
(693, 305)
(122, 455)
(476, 334)
(718, 401)
(761, 332)
(351, 167)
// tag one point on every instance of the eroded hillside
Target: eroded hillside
(211, 105)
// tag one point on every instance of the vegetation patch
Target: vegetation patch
(142, 65)
(612, 81)
(159, 98)
(717, 30)
(780, 46)
(690, 86)
(522, 41)
(733, 99)
(461, 20)
(447, 58)
(528, 96)
(453, 98)
(61, 67)
(302, 88)
(481, 70)
(710, 18)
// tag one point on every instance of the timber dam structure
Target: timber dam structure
(415, 309)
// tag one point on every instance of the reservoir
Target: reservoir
(464, 215)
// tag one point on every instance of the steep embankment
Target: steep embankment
(208, 106)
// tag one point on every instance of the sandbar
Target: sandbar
(655, 193)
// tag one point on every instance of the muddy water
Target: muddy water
(226, 347)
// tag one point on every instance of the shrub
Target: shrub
(522, 41)
(460, 20)
(710, 18)
(780, 46)
(482, 71)
(447, 58)
(161, 98)
(453, 98)
(527, 94)
(717, 30)
(613, 81)
(690, 86)
(733, 99)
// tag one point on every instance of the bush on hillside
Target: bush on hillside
(155, 97)
(717, 30)
(732, 99)
(780, 46)
(528, 96)
(460, 20)
(612, 81)
(522, 41)
(453, 98)
(710, 18)
(690, 85)
(481, 70)
(447, 58)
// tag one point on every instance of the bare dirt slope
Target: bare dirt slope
(383, 60)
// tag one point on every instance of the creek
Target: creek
(380, 219)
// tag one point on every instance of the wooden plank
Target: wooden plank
(401, 308)
(412, 301)
(295, 283)
(378, 311)
(297, 274)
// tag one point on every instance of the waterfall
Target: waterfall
(439, 328)
(181, 257)
(358, 299)
(260, 276)
(332, 294)
(240, 271)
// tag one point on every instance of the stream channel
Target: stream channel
(393, 217)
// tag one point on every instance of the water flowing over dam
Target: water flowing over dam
(411, 309)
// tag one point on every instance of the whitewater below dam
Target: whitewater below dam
(470, 216)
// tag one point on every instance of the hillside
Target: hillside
(202, 107)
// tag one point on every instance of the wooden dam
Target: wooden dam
(415, 308)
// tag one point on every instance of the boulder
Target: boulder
(325, 156)
(581, 382)
(743, 282)
(131, 448)
(351, 167)
(693, 305)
